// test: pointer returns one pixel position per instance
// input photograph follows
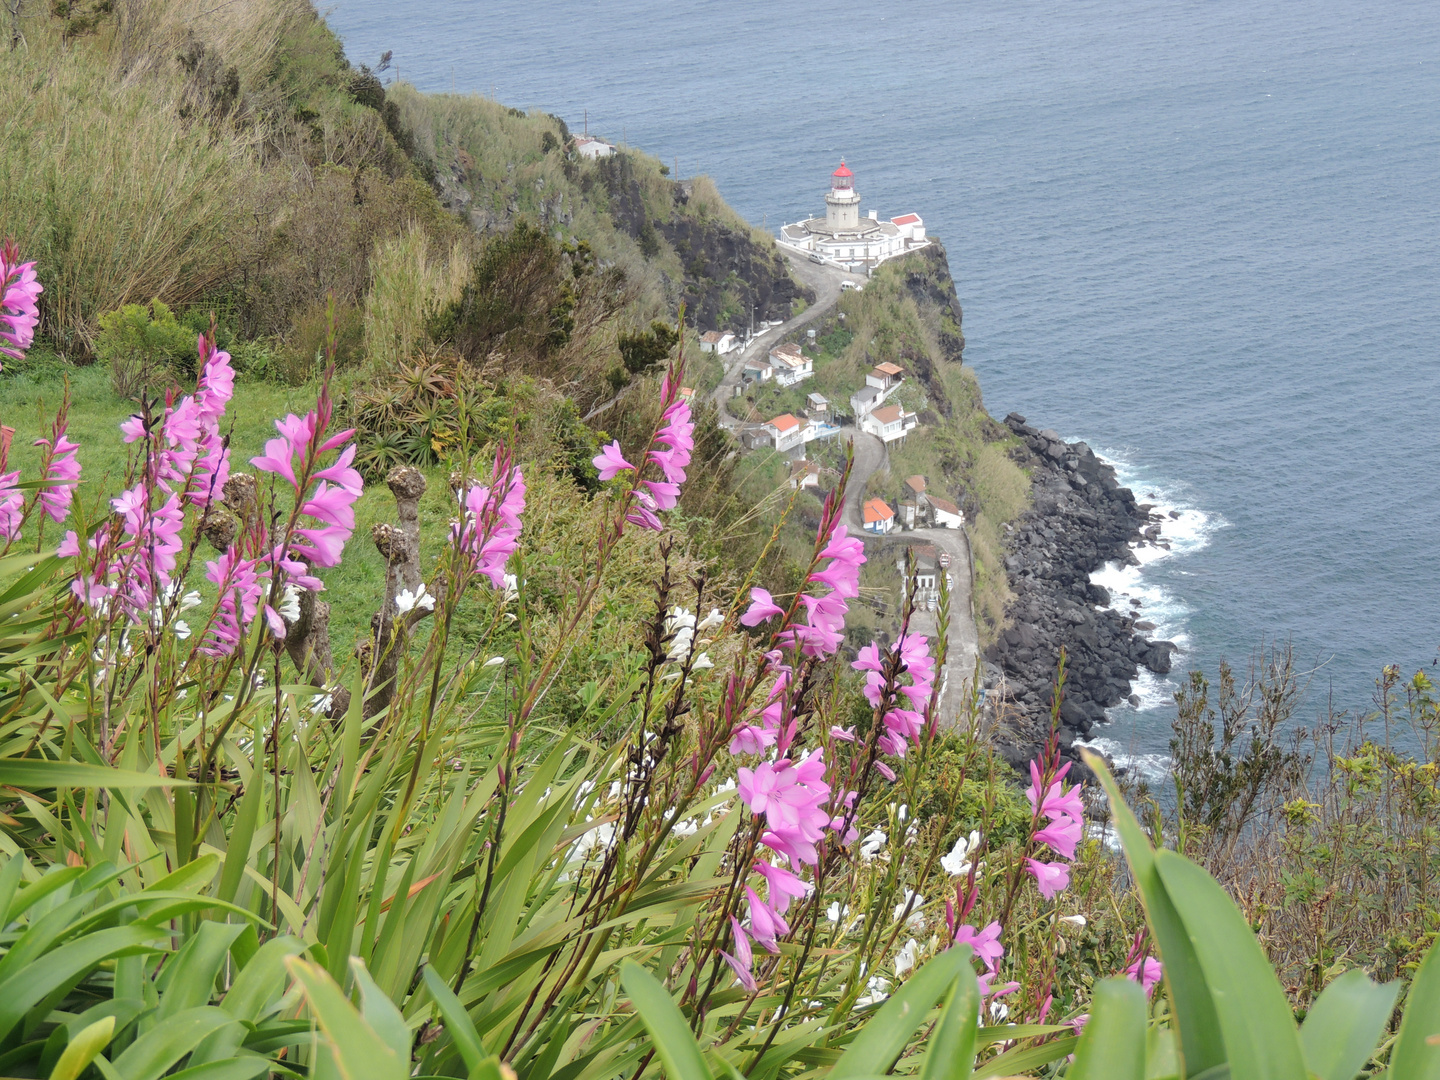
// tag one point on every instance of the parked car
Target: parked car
(846, 285)
(816, 257)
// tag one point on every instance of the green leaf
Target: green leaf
(36, 774)
(1345, 1024)
(1202, 1043)
(678, 1050)
(457, 1021)
(261, 982)
(887, 1033)
(30, 985)
(1416, 1054)
(83, 1048)
(380, 1012)
(1025, 1058)
(950, 1054)
(358, 1051)
(1112, 1046)
(239, 1068)
(190, 973)
(1258, 1026)
(157, 1051)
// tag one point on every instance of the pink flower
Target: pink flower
(784, 886)
(1058, 799)
(1062, 834)
(12, 505)
(490, 532)
(277, 624)
(1051, 878)
(766, 923)
(885, 771)
(61, 470)
(240, 590)
(984, 943)
(19, 312)
(743, 960)
(1146, 971)
(869, 659)
(749, 739)
(610, 461)
(762, 607)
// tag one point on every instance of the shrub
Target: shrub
(145, 347)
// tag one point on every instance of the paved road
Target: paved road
(870, 457)
(825, 280)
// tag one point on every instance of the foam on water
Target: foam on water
(1154, 769)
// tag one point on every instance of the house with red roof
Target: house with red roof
(879, 518)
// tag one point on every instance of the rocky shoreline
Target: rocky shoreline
(1080, 519)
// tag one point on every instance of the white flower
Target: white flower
(685, 828)
(592, 843)
(680, 629)
(834, 911)
(725, 785)
(999, 1011)
(1073, 920)
(878, 989)
(408, 601)
(702, 662)
(711, 620)
(906, 957)
(614, 792)
(494, 661)
(322, 704)
(189, 600)
(182, 629)
(955, 863)
(872, 845)
(290, 604)
(916, 920)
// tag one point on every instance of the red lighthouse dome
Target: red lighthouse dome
(842, 179)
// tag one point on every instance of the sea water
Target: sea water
(1204, 237)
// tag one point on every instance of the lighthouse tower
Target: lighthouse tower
(842, 202)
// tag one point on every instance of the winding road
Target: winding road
(871, 457)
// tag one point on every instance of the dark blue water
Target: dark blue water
(1202, 236)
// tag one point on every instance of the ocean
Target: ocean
(1204, 237)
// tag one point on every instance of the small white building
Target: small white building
(879, 518)
(817, 405)
(758, 370)
(804, 474)
(718, 341)
(889, 423)
(864, 400)
(884, 376)
(787, 432)
(945, 514)
(791, 365)
(589, 147)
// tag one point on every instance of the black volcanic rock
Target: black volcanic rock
(1080, 519)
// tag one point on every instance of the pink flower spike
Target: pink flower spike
(610, 461)
(19, 313)
(843, 734)
(1051, 878)
(784, 886)
(743, 960)
(765, 922)
(762, 607)
(985, 944)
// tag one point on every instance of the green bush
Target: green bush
(145, 346)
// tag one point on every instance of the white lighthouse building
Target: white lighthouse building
(842, 236)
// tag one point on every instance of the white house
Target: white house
(804, 474)
(946, 514)
(884, 376)
(787, 432)
(879, 518)
(718, 341)
(865, 399)
(889, 423)
(758, 370)
(588, 147)
(791, 365)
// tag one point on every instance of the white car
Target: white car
(846, 285)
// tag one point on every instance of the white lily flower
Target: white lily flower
(955, 864)
(916, 920)
(702, 662)
(906, 957)
(494, 661)
(712, 620)
(872, 845)
(1073, 920)
(190, 600)
(181, 629)
(407, 601)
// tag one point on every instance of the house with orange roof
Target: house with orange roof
(879, 518)
(884, 376)
(889, 423)
(787, 432)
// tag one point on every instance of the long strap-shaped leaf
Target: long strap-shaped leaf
(678, 1050)
(1255, 1017)
(950, 1054)
(1416, 1054)
(1202, 1045)
(1112, 1046)
(1345, 1024)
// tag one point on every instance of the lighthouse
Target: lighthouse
(842, 202)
